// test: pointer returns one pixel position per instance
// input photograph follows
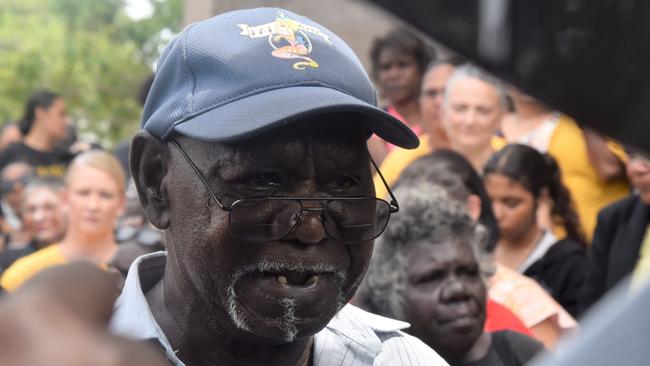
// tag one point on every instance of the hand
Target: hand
(59, 318)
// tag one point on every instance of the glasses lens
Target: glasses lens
(261, 220)
(352, 220)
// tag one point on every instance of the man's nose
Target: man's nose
(310, 229)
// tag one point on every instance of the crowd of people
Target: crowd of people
(63, 200)
(507, 222)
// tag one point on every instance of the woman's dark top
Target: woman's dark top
(509, 348)
(562, 272)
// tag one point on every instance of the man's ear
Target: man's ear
(148, 163)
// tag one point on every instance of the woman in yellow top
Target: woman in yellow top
(94, 198)
(592, 168)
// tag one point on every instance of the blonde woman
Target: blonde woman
(94, 199)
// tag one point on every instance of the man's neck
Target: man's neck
(38, 140)
(198, 339)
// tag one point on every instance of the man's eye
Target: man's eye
(262, 181)
(343, 182)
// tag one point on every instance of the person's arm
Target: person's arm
(607, 165)
(59, 318)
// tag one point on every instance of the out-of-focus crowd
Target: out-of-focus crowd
(506, 201)
(514, 219)
(64, 200)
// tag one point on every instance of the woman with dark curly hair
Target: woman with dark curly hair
(399, 60)
(519, 180)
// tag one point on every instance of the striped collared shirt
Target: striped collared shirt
(352, 337)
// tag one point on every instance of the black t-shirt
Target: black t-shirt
(562, 272)
(509, 348)
(51, 163)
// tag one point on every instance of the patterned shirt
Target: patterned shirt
(352, 337)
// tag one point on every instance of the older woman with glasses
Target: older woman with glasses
(427, 270)
(94, 198)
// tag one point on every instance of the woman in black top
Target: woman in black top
(519, 181)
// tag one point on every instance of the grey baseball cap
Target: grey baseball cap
(241, 73)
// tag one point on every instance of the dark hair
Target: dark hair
(38, 99)
(536, 171)
(453, 172)
(407, 43)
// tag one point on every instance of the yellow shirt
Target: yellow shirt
(590, 193)
(399, 159)
(27, 267)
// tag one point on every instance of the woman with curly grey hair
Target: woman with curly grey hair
(427, 269)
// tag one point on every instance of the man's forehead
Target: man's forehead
(326, 132)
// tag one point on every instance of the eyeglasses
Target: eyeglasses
(345, 219)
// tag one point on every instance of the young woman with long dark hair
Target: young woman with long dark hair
(519, 180)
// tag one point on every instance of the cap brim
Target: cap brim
(250, 116)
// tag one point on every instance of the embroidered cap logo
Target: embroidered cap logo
(288, 38)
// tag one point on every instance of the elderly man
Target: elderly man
(253, 161)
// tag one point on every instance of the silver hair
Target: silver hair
(469, 71)
(427, 214)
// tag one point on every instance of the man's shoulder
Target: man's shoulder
(354, 335)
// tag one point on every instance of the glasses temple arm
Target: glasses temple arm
(393, 201)
(198, 173)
